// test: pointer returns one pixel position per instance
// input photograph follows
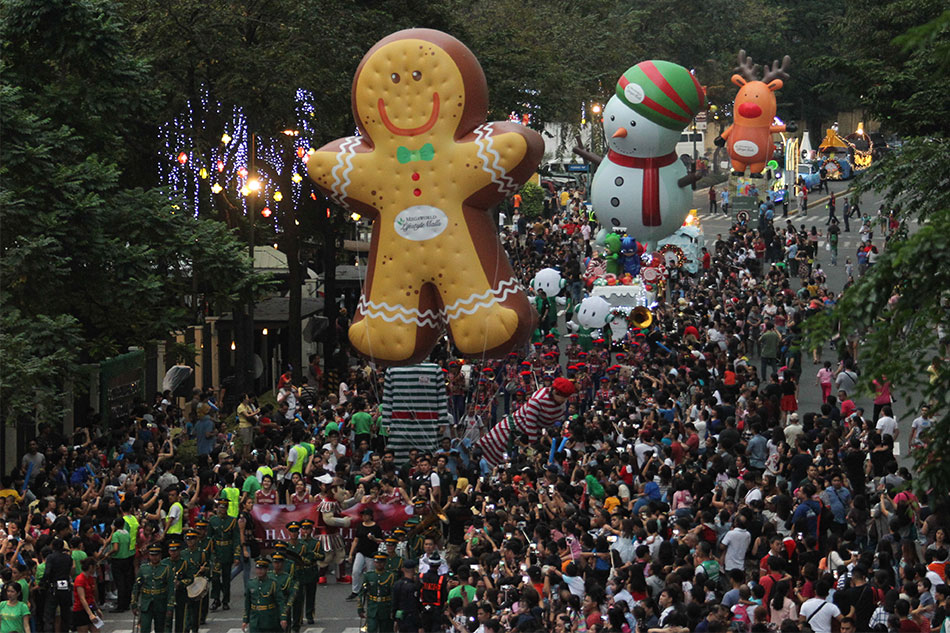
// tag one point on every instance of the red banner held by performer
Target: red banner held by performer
(270, 520)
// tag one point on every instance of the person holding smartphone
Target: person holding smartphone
(85, 610)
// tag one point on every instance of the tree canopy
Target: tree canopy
(901, 307)
(88, 264)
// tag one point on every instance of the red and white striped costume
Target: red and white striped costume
(538, 413)
(329, 537)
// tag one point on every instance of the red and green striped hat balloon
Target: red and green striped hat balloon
(662, 92)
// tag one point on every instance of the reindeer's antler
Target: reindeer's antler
(778, 72)
(747, 67)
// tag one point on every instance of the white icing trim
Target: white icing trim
(344, 161)
(432, 318)
(491, 166)
(484, 300)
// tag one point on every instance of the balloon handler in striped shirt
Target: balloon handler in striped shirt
(542, 410)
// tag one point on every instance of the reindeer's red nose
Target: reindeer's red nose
(749, 110)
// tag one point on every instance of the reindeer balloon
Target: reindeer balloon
(749, 138)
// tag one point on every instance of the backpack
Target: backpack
(740, 618)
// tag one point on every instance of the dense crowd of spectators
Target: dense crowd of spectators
(684, 490)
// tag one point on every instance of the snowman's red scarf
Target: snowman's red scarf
(651, 181)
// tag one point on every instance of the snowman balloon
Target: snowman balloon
(640, 185)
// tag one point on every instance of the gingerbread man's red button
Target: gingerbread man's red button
(417, 192)
(415, 176)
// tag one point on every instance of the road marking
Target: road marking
(351, 629)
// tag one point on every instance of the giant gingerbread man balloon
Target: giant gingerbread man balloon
(426, 167)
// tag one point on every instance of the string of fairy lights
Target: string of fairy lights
(195, 175)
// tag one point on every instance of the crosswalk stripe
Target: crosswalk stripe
(351, 629)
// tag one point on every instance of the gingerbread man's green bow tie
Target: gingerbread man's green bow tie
(406, 155)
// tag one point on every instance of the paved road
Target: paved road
(335, 615)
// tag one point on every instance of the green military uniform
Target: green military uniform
(393, 559)
(195, 564)
(264, 605)
(153, 586)
(308, 572)
(376, 599)
(206, 545)
(227, 539)
(286, 583)
(296, 547)
(178, 597)
(414, 545)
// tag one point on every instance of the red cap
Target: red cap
(563, 386)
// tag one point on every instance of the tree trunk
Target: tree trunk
(295, 279)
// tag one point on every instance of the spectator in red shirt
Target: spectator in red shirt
(847, 404)
(707, 259)
(85, 609)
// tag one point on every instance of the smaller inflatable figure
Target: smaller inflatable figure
(547, 283)
(749, 138)
(630, 255)
(612, 242)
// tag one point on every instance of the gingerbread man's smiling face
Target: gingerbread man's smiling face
(406, 90)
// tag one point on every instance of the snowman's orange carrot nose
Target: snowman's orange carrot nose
(620, 133)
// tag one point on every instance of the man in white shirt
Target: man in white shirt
(753, 492)
(819, 612)
(919, 425)
(736, 541)
(847, 381)
(643, 449)
(793, 430)
(886, 424)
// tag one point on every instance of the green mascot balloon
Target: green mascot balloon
(612, 254)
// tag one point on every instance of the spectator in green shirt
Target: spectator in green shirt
(123, 564)
(769, 344)
(362, 422)
(14, 614)
(77, 554)
(251, 484)
(465, 589)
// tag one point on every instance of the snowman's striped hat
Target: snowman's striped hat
(663, 92)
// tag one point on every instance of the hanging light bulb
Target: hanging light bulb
(296, 178)
(254, 184)
(300, 152)
(203, 173)
(245, 191)
(233, 346)
(242, 172)
(264, 331)
(355, 217)
(216, 188)
(183, 158)
(278, 196)
(225, 138)
(305, 159)
(265, 212)
(220, 166)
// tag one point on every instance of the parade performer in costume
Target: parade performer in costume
(542, 410)
(327, 524)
